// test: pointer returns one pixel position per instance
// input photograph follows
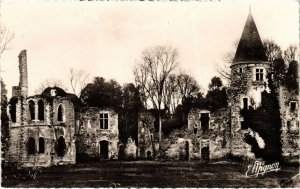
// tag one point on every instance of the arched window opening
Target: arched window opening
(41, 110)
(41, 145)
(31, 109)
(60, 146)
(13, 112)
(31, 146)
(60, 113)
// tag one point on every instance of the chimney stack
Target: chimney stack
(22, 89)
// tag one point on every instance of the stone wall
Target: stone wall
(90, 134)
(290, 124)
(190, 143)
(48, 128)
(243, 85)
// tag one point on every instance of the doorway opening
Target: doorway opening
(205, 153)
(103, 149)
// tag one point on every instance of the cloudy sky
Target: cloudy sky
(106, 38)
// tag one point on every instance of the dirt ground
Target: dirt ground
(148, 174)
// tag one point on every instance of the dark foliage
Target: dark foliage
(102, 94)
(291, 80)
(4, 116)
(128, 114)
(266, 121)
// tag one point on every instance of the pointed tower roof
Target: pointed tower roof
(250, 47)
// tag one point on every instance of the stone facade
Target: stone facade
(41, 130)
(98, 134)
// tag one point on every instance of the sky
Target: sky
(107, 38)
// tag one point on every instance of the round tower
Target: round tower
(248, 79)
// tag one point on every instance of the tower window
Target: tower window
(293, 106)
(259, 74)
(240, 70)
(13, 112)
(104, 121)
(288, 124)
(245, 103)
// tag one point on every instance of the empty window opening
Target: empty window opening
(41, 110)
(259, 74)
(60, 113)
(245, 103)
(103, 149)
(41, 145)
(293, 106)
(104, 121)
(60, 146)
(204, 120)
(195, 130)
(13, 112)
(31, 146)
(32, 109)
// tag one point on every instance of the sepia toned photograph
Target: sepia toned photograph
(149, 94)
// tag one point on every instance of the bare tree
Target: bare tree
(290, 54)
(188, 86)
(50, 83)
(151, 75)
(272, 50)
(177, 88)
(171, 93)
(5, 38)
(78, 80)
(224, 68)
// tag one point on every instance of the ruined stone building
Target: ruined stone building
(46, 129)
(51, 128)
(41, 126)
(98, 134)
(213, 135)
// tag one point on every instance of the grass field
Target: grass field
(147, 174)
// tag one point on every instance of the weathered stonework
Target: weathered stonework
(198, 142)
(290, 124)
(44, 129)
(92, 137)
(244, 86)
